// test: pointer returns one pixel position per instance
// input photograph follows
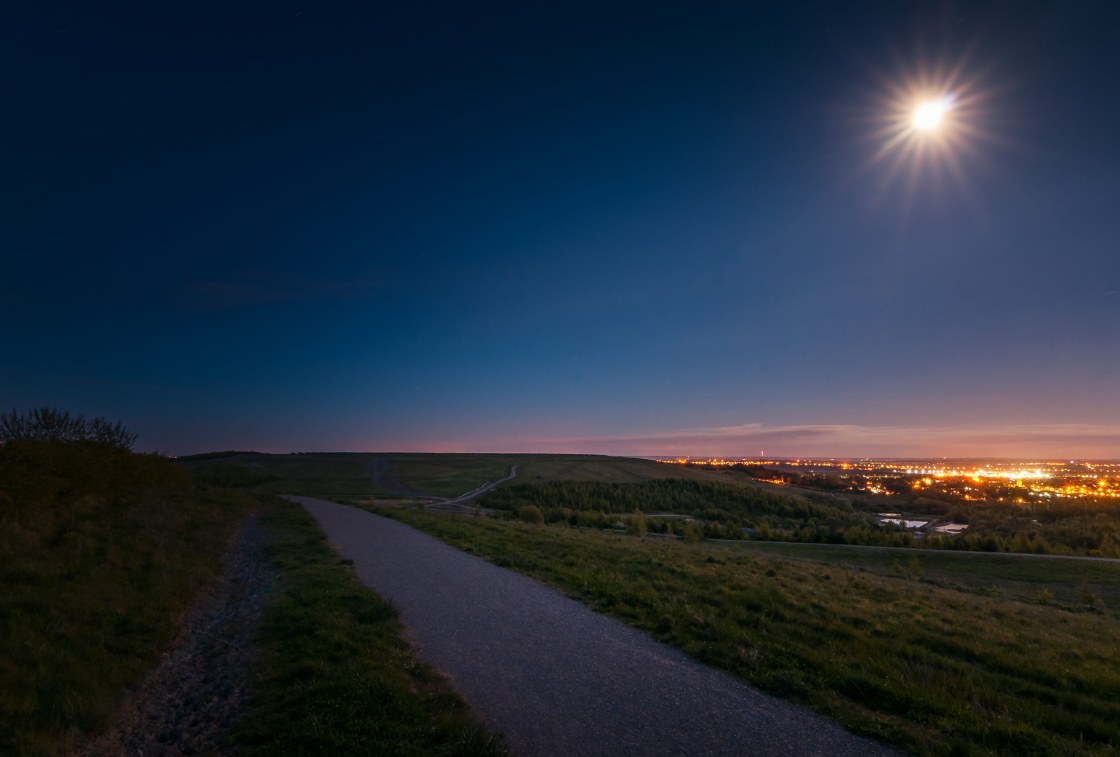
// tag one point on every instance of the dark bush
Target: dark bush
(45, 424)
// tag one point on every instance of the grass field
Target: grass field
(619, 470)
(929, 665)
(442, 475)
(324, 474)
(449, 475)
(1061, 581)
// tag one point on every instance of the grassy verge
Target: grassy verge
(101, 551)
(336, 676)
(935, 669)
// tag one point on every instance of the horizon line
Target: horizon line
(671, 457)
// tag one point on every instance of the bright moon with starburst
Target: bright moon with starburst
(928, 126)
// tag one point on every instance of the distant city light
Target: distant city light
(1012, 474)
(1038, 482)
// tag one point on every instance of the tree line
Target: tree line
(718, 510)
(715, 510)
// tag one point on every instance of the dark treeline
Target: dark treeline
(710, 509)
(813, 481)
(1084, 538)
(661, 495)
(1066, 529)
(716, 510)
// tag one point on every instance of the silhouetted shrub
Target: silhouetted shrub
(45, 424)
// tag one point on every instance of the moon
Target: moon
(929, 114)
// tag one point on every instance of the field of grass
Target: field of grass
(449, 475)
(935, 667)
(614, 470)
(336, 676)
(101, 551)
(344, 474)
(326, 474)
(452, 475)
(1061, 581)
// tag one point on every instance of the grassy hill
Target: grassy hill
(101, 551)
(937, 652)
(443, 475)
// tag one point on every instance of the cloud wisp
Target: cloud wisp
(251, 288)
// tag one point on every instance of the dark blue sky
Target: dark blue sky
(614, 227)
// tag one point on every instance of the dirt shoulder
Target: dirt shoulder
(189, 702)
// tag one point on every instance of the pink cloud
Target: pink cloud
(1053, 441)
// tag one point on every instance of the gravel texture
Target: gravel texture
(188, 703)
(554, 677)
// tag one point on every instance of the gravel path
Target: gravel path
(554, 677)
(187, 704)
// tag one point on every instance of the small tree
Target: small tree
(692, 533)
(114, 434)
(531, 514)
(637, 524)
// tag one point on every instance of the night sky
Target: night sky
(627, 228)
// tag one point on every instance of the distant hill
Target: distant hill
(436, 474)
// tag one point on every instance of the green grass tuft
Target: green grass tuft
(336, 677)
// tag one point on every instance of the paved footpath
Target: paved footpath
(554, 677)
